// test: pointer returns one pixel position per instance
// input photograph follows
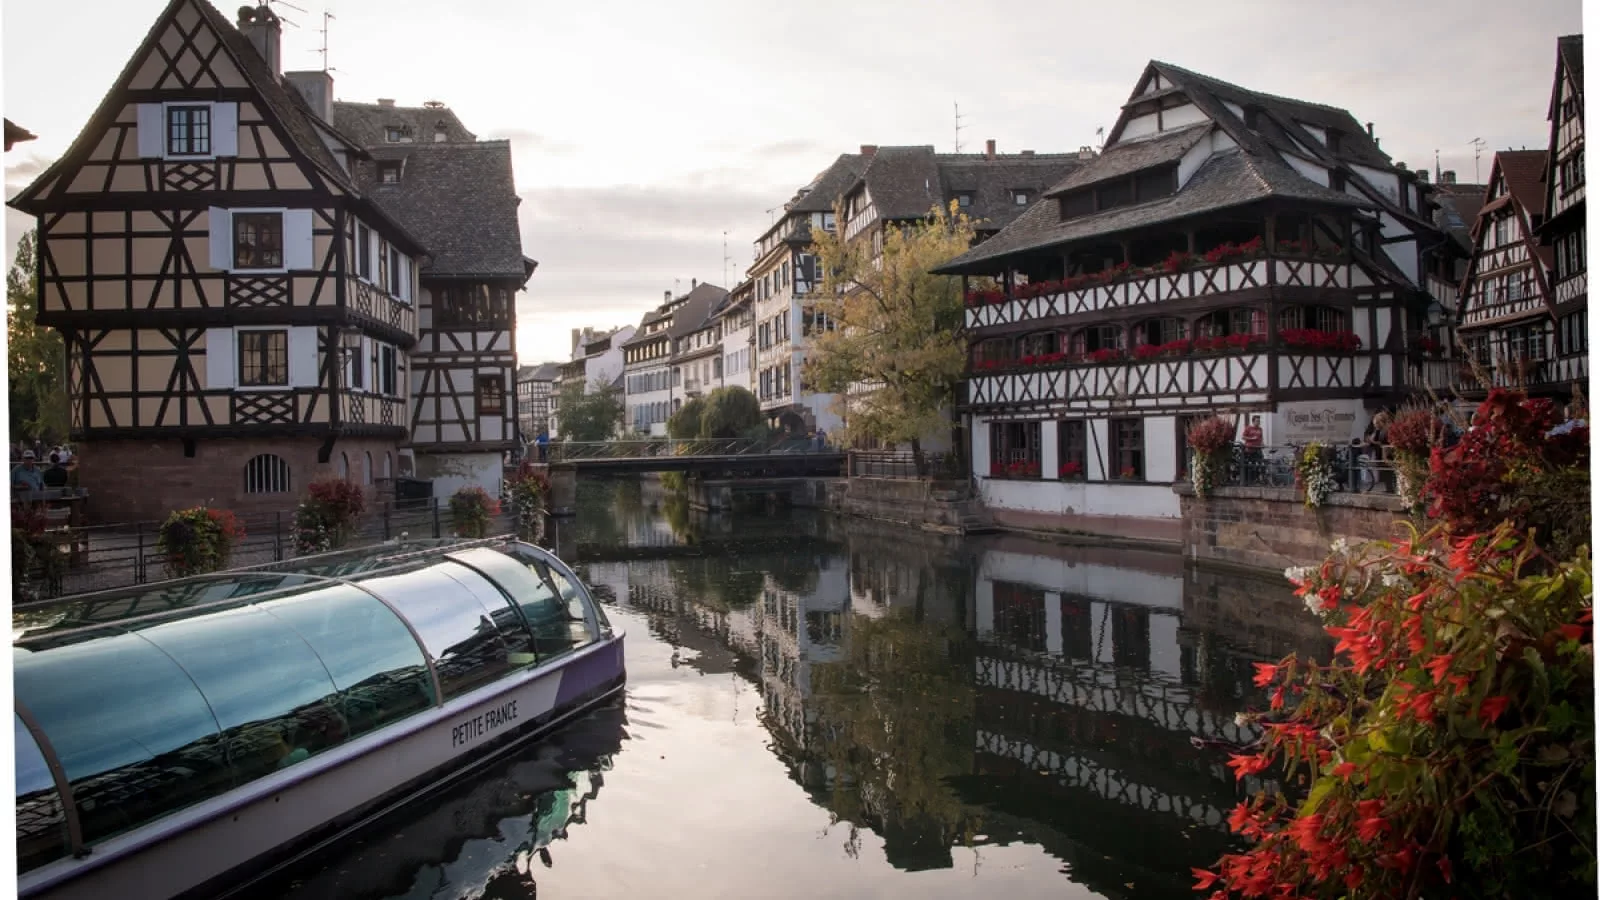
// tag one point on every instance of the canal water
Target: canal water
(828, 707)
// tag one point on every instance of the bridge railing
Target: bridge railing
(573, 451)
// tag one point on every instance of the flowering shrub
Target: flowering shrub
(1411, 436)
(1319, 340)
(985, 297)
(530, 495)
(1071, 470)
(34, 552)
(471, 508)
(1177, 261)
(1103, 355)
(324, 519)
(1225, 342)
(1313, 473)
(1212, 441)
(1171, 348)
(1448, 747)
(1021, 468)
(1510, 467)
(198, 540)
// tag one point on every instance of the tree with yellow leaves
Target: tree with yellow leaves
(894, 354)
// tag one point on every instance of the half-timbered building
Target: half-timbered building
(1565, 229)
(696, 344)
(1506, 330)
(1228, 251)
(459, 197)
(199, 251)
(647, 370)
(735, 319)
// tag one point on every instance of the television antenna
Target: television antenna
(725, 257)
(326, 18)
(284, 20)
(1478, 144)
(958, 127)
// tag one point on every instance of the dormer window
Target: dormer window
(964, 200)
(440, 133)
(394, 134)
(1020, 197)
(389, 172)
(1333, 140)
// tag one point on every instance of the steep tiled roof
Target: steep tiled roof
(1127, 157)
(1524, 173)
(1571, 49)
(1458, 208)
(368, 123)
(1229, 179)
(696, 308)
(907, 182)
(460, 199)
(826, 188)
(546, 372)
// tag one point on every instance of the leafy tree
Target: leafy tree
(897, 328)
(592, 416)
(684, 425)
(36, 363)
(731, 412)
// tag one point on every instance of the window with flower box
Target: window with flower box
(1159, 331)
(1014, 449)
(1072, 449)
(1095, 338)
(1126, 439)
(1225, 322)
(1320, 318)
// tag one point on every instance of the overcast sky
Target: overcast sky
(643, 131)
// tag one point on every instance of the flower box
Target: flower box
(1317, 340)
(1019, 469)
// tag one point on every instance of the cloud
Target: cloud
(524, 141)
(20, 174)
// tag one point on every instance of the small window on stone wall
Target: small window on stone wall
(366, 470)
(266, 474)
(344, 466)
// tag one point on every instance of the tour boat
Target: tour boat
(181, 738)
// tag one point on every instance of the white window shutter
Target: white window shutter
(368, 366)
(303, 356)
(220, 365)
(298, 241)
(152, 131)
(221, 224)
(225, 129)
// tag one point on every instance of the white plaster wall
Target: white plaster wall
(1182, 117)
(1386, 182)
(453, 471)
(1310, 170)
(1139, 126)
(1120, 585)
(1192, 160)
(1318, 133)
(1161, 448)
(1155, 501)
(978, 430)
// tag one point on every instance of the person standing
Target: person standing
(56, 475)
(544, 445)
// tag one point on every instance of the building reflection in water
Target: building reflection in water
(944, 693)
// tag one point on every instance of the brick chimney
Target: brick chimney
(1448, 176)
(260, 26)
(666, 296)
(988, 149)
(694, 283)
(386, 102)
(869, 149)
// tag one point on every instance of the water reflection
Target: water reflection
(1000, 708)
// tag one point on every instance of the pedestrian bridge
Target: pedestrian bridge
(734, 456)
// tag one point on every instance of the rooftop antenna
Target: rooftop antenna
(958, 128)
(284, 19)
(1101, 134)
(725, 257)
(326, 17)
(1436, 171)
(1478, 144)
(772, 218)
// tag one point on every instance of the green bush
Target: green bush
(685, 424)
(731, 412)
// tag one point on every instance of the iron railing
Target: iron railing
(1356, 468)
(903, 464)
(573, 451)
(98, 557)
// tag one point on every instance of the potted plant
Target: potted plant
(1212, 440)
(198, 540)
(325, 519)
(1071, 470)
(530, 496)
(471, 509)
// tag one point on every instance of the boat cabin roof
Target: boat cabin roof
(133, 704)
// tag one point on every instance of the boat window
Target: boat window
(520, 650)
(130, 728)
(271, 695)
(41, 819)
(369, 653)
(455, 627)
(517, 583)
(556, 606)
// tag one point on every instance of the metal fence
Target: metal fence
(98, 557)
(1356, 468)
(572, 451)
(903, 464)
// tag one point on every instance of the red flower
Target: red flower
(1243, 765)
(1439, 665)
(1344, 770)
(1203, 879)
(1370, 829)
(1265, 673)
(1492, 708)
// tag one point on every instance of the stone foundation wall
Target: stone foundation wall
(144, 480)
(932, 505)
(1272, 529)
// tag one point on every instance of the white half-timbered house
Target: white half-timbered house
(1506, 326)
(1228, 251)
(198, 249)
(1565, 229)
(460, 198)
(736, 323)
(696, 344)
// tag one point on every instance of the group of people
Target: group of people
(27, 475)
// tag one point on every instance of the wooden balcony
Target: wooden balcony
(1455, 377)
(1158, 287)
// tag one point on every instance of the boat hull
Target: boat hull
(211, 848)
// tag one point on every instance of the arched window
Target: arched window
(1039, 344)
(344, 465)
(1159, 331)
(366, 470)
(266, 474)
(1096, 337)
(1223, 322)
(1321, 318)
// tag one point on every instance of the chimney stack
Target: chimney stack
(386, 102)
(694, 283)
(1422, 175)
(317, 90)
(869, 149)
(666, 296)
(1448, 176)
(989, 149)
(1027, 153)
(1369, 129)
(260, 26)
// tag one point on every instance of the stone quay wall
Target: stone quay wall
(1272, 528)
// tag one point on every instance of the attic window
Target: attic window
(1252, 117)
(964, 200)
(1020, 197)
(389, 173)
(1333, 140)
(394, 134)
(440, 133)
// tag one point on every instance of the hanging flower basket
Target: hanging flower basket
(1313, 474)
(198, 540)
(1212, 441)
(327, 517)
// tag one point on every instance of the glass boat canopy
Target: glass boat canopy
(133, 704)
